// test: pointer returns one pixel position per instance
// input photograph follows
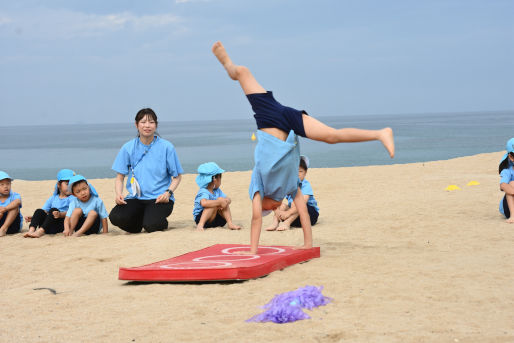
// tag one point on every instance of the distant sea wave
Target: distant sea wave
(38, 152)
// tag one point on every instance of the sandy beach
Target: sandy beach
(404, 260)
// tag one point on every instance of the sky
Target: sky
(97, 61)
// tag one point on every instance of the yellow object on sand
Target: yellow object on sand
(253, 137)
(453, 188)
(473, 183)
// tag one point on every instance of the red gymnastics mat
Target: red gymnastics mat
(220, 262)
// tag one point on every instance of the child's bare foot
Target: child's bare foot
(283, 227)
(387, 138)
(221, 54)
(510, 220)
(3, 232)
(200, 228)
(233, 226)
(272, 227)
(34, 234)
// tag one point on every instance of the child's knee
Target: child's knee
(77, 212)
(92, 214)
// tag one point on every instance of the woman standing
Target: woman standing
(154, 173)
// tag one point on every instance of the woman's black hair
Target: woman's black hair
(146, 112)
(303, 164)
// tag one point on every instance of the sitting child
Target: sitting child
(11, 220)
(277, 154)
(211, 204)
(506, 170)
(287, 214)
(50, 218)
(86, 214)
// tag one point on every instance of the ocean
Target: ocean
(38, 152)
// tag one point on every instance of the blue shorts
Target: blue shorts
(270, 113)
(218, 221)
(313, 214)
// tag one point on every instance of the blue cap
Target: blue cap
(510, 145)
(4, 175)
(78, 178)
(65, 174)
(205, 173)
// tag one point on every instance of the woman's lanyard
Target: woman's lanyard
(136, 143)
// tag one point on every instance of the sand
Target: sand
(403, 259)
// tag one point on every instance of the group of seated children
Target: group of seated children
(211, 207)
(74, 209)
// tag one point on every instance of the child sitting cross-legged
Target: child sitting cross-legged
(86, 214)
(287, 214)
(211, 204)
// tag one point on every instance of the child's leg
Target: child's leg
(276, 219)
(88, 223)
(74, 218)
(510, 203)
(239, 73)
(318, 131)
(301, 207)
(208, 215)
(286, 224)
(8, 219)
(228, 217)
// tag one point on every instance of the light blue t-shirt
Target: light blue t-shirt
(12, 196)
(306, 188)
(275, 174)
(55, 202)
(94, 203)
(506, 176)
(154, 165)
(203, 193)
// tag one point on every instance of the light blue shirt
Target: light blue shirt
(94, 203)
(154, 165)
(306, 188)
(506, 176)
(12, 196)
(275, 174)
(55, 202)
(203, 193)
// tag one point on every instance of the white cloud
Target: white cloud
(5, 20)
(70, 24)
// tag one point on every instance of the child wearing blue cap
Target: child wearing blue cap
(50, 218)
(277, 154)
(86, 214)
(287, 215)
(11, 220)
(506, 170)
(211, 208)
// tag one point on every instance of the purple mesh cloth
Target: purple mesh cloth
(287, 307)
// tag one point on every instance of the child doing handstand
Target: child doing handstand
(11, 219)
(277, 154)
(211, 204)
(287, 215)
(86, 214)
